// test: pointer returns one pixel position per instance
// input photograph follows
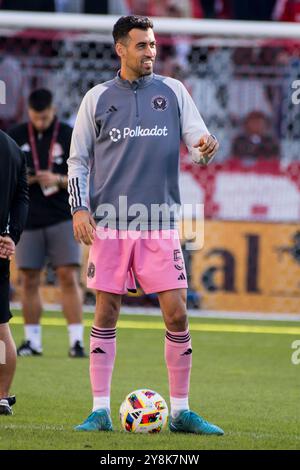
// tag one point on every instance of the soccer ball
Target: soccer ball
(143, 411)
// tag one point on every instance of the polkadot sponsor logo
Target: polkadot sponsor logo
(115, 134)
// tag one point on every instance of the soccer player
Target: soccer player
(125, 147)
(48, 232)
(13, 213)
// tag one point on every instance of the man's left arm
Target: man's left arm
(201, 144)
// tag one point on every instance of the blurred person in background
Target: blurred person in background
(287, 10)
(138, 7)
(48, 232)
(28, 5)
(106, 7)
(11, 75)
(176, 8)
(257, 141)
(13, 213)
(167, 8)
(216, 9)
(254, 10)
(68, 6)
(246, 91)
(209, 8)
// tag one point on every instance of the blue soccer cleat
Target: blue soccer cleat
(99, 420)
(188, 421)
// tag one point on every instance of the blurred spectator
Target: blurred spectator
(48, 233)
(182, 8)
(246, 91)
(257, 140)
(68, 6)
(104, 7)
(209, 8)
(256, 10)
(28, 5)
(287, 10)
(175, 8)
(176, 46)
(11, 75)
(171, 67)
(220, 9)
(138, 7)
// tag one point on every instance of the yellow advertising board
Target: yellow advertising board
(242, 266)
(248, 267)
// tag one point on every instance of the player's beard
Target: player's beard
(139, 69)
(146, 70)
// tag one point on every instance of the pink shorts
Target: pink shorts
(154, 258)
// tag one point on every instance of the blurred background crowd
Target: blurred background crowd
(280, 10)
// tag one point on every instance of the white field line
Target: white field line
(156, 312)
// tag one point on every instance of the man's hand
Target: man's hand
(47, 178)
(84, 227)
(32, 179)
(206, 148)
(7, 247)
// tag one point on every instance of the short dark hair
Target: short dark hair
(126, 23)
(41, 99)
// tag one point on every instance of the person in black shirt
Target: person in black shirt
(13, 213)
(48, 233)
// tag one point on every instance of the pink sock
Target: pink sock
(178, 355)
(102, 358)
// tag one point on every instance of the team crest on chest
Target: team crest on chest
(159, 103)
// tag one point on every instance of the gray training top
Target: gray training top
(124, 157)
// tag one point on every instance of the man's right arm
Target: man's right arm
(84, 227)
(82, 144)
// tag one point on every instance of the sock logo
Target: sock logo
(98, 351)
(187, 352)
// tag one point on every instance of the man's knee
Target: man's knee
(175, 312)
(68, 277)
(30, 280)
(177, 319)
(107, 309)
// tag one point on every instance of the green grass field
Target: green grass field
(242, 379)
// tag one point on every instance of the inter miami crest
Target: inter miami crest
(159, 103)
(178, 261)
(91, 271)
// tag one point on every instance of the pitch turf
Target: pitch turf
(242, 379)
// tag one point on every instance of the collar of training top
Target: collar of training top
(139, 83)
